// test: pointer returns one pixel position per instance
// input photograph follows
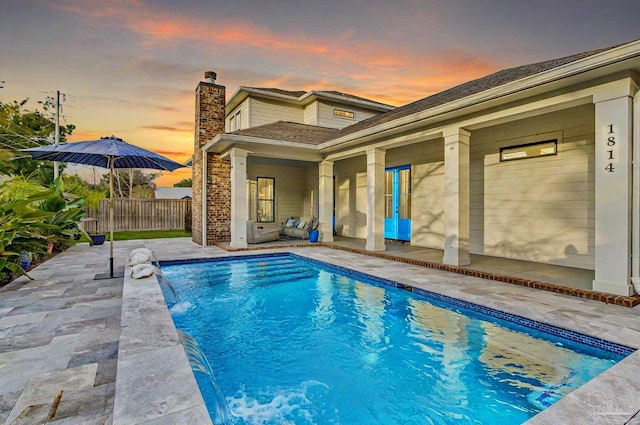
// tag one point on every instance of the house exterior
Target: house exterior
(173, 193)
(534, 163)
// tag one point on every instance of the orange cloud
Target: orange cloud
(79, 135)
(169, 128)
(342, 55)
(173, 153)
(169, 179)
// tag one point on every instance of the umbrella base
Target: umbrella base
(116, 274)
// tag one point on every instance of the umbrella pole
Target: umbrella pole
(111, 219)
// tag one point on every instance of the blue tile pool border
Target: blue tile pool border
(570, 335)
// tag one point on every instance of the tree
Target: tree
(183, 183)
(21, 128)
(131, 183)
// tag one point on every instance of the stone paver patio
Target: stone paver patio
(117, 358)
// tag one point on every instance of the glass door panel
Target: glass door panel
(397, 222)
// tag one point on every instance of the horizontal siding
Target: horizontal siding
(327, 119)
(351, 197)
(427, 184)
(427, 205)
(291, 190)
(311, 114)
(266, 112)
(538, 209)
(244, 108)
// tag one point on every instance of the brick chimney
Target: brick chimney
(209, 122)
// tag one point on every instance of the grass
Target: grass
(145, 234)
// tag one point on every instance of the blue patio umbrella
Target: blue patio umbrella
(106, 152)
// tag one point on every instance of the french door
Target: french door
(397, 197)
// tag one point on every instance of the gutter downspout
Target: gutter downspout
(635, 195)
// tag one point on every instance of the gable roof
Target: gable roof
(347, 97)
(303, 98)
(292, 93)
(469, 88)
(290, 132)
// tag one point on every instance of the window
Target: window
(235, 122)
(266, 200)
(343, 114)
(404, 193)
(530, 150)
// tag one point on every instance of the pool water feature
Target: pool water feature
(296, 341)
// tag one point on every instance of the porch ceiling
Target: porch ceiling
(280, 162)
(268, 148)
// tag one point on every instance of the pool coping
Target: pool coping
(148, 335)
(154, 381)
(621, 300)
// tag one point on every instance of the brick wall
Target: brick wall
(218, 199)
(209, 122)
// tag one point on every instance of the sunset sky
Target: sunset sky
(130, 67)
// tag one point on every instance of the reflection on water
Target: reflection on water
(292, 343)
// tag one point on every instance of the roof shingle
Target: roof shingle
(467, 89)
(290, 132)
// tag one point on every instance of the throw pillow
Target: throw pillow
(290, 222)
(301, 224)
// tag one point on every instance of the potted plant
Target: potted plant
(314, 234)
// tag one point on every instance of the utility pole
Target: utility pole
(56, 171)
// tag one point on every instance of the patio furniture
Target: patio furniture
(256, 235)
(298, 227)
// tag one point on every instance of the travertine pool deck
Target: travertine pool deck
(111, 347)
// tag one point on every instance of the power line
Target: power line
(14, 143)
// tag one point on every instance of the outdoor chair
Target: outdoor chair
(255, 235)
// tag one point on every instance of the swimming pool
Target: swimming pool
(295, 341)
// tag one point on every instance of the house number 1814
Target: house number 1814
(611, 143)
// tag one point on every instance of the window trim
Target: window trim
(343, 113)
(235, 121)
(524, 154)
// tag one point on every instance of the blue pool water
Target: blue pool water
(293, 341)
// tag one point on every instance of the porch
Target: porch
(546, 277)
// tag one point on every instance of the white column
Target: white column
(375, 199)
(456, 203)
(613, 189)
(325, 200)
(239, 203)
(205, 179)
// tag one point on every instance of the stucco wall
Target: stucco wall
(538, 209)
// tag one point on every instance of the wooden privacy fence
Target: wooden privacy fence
(140, 214)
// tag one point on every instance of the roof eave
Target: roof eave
(598, 60)
(223, 141)
(243, 92)
(312, 95)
